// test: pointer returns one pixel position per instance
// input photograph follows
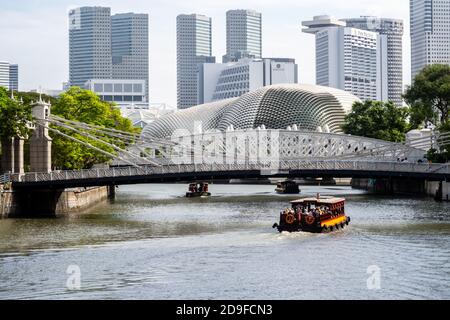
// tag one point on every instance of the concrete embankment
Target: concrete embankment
(48, 203)
(440, 190)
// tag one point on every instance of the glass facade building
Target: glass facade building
(194, 47)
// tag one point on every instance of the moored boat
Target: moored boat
(315, 215)
(198, 190)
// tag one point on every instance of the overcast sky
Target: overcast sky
(34, 34)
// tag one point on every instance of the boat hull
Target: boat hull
(287, 191)
(197, 194)
(326, 226)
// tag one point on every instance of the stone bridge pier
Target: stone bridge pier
(12, 158)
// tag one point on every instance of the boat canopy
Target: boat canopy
(319, 201)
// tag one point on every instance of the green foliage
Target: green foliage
(14, 117)
(29, 97)
(379, 120)
(429, 96)
(444, 155)
(85, 106)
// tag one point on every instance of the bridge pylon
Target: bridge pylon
(40, 142)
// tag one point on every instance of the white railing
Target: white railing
(281, 166)
(5, 178)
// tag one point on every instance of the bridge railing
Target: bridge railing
(4, 178)
(270, 168)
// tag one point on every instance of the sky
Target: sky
(34, 34)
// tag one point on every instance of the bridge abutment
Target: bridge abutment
(37, 203)
(440, 190)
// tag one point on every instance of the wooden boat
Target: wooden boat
(287, 187)
(198, 190)
(315, 215)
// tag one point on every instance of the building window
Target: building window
(127, 87)
(137, 87)
(118, 87)
(98, 87)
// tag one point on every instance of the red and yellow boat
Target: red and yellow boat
(315, 215)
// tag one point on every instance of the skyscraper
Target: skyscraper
(430, 33)
(14, 77)
(89, 44)
(4, 74)
(350, 59)
(9, 76)
(393, 29)
(129, 42)
(244, 35)
(194, 46)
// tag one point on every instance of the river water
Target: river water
(152, 243)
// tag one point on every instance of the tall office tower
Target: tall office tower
(4, 74)
(9, 76)
(244, 35)
(430, 33)
(194, 47)
(14, 77)
(129, 42)
(89, 44)
(393, 29)
(350, 59)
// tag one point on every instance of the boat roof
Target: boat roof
(287, 181)
(330, 200)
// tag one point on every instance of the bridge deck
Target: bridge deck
(186, 172)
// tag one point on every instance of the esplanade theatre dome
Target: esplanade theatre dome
(307, 107)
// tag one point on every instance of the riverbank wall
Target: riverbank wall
(52, 203)
(440, 190)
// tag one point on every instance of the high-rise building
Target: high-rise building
(129, 42)
(218, 81)
(108, 47)
(14, 77)
(393, 29)
(430, 33)
(244, 35)
(194, 47)
(350, 59)
(89, 44)
(9, 76)
(4, 74)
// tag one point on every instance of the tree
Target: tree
(14, 117)
(429, 96)
(379, 120)
(84, 106)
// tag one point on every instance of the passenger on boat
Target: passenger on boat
(316, 213)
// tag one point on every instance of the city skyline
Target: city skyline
(47, 37)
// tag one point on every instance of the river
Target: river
(152, 243)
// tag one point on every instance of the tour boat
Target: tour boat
(314, 215)
(287, 187)
(198, 190)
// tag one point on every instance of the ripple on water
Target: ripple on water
(154, 243)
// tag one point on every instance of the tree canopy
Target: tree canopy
(85, 106)
(429, 96)
(379, 120)
(14, 116)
